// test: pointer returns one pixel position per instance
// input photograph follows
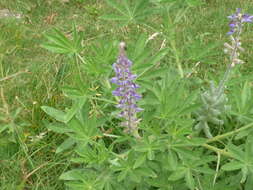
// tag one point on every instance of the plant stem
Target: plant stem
(80, 57)
(217, 150)
(104, 100)
(78, 67)
(230, 66)
(219, 137)
(179, 65)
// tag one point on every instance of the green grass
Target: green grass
(20, 51)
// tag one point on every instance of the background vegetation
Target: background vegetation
(188, 44)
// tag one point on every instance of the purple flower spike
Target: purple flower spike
(126, 91)
(237, 20)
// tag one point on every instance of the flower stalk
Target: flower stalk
(214, 100)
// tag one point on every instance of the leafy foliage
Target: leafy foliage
(60, 43)
(169, 154)
(172, 60)
(129, 12)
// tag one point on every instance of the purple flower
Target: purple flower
(126, 90)
(237, 20)
(247, 18)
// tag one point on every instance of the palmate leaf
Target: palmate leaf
(59, 43)
(94, 154)
(183, 172)
(243, 102)
(190, 182)
(174, 100)
(243, 159)
(61, 116)
(116, 6)
(140, 67)
(128, 172)
(76, 123)
(114, 17)
(78, 174)
(231, 166)
(172, 160)
(186, 154)
(68, 143)
(249, 183)
(249, 148)
(178, 174)
(236, 152)
(56, 114)
(129, 12)
(199, 52)
(145, 61)
(182, 2)
(101, 57)
(144, 70)
(140, 46)
(81, 179)
(226, 182)
(90, 178)
(140, 160)
(85, 132)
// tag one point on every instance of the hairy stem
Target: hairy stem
(217, 150)
(230, 66)
(219, 137)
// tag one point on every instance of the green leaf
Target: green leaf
(122, 175)
(231, 166)
(172, 160)
(55, 48)
(140, 45)
(73, 93)
(243, 134)
(56, 114)
(249, 182)
(58, 38)
(249, 148)
(197, 141)
(186, 154)
(59, 43)
(4, 127)
(178, 174)
(245, 94)
(116, 6)
(59, 128)
(132, 12)
(75, 174)
(139, 161)
(77, 105)
(154, 73)
(69, 142)
(145, 172)
(152, 61)
(204, 170)
(245, 172)
(114, 17)
(236, 152)
(133, 176)
(189, 180)
(140, 5)
(150, 155)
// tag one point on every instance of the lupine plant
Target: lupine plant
(159, 149)
(214, 100)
